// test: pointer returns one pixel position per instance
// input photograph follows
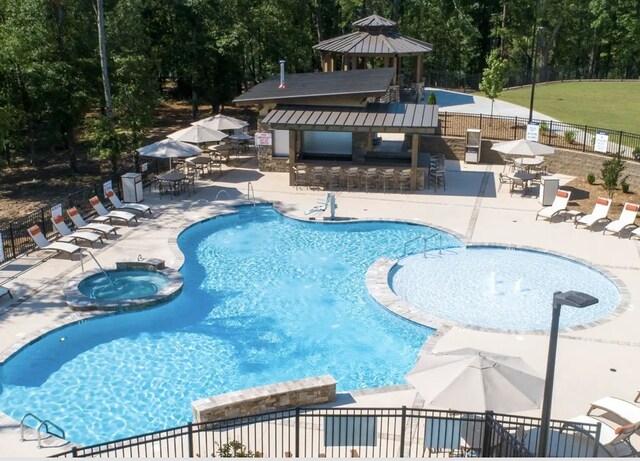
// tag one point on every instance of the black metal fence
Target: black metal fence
(357, 432)
(557, 134)
(15, 236)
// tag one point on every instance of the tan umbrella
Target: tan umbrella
(221, 123)
(523, 148)
(196, 134)
(169, 148)
(473, 380)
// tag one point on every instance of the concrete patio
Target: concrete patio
(592, 363)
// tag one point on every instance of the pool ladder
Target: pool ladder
(424, 240)
(251, 195)
(106, 274)
(41, 423)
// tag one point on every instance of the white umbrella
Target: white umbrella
(221, 122)
(472, 380)
(198, 133)
(169, 148)
(523, 147)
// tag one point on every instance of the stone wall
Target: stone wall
(266, 162)
(256, 400)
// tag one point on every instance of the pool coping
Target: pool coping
(378, 276)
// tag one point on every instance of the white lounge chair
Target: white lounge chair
(81, 224)
(111, 215)
(558, 206)
(599, 213)
(5, 292)
(615, 409)
(115, 201)
(73, 237)
(626, 220)
(59, 247)
(614, 440)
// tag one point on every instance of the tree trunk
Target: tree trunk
(102, 40)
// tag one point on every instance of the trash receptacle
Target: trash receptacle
(132, 187)
(548, 188)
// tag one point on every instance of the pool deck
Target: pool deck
(591, 363)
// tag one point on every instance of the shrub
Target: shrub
(544, 127)
(611, 171)
(591, 178)
(570, 136)
(636, 153)
(432, 99)
(234, 449)
(625, 187)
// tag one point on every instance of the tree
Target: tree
(611, 171)
(493, 76)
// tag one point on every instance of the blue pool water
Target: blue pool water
(123, 284)
(501, 288)
(266, 299)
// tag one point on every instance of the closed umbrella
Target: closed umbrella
(169, 148)
(221, 123)
(196, 134)
(473, 380)
(523, 148)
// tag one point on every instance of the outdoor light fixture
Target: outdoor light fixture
(534, 53)
(568, 298)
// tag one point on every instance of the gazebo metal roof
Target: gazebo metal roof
(375, 36)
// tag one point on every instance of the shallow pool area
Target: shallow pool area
(501, 288)
(122, 284)
(265, 299)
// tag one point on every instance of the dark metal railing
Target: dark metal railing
(356, 432)
(15, 238)
(553, 133)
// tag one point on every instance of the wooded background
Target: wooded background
(208, 51)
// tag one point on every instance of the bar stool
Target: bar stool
(404, 180)
(388, 179)
(335, 177)
(352, 175)
(370, 177)
(316, 177)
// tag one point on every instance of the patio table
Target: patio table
(173, 179)
(524, 177)
(200, 162)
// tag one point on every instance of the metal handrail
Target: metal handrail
(41, 422)
(220, 192)
(106, 274)
(252, 194)
(424, 242)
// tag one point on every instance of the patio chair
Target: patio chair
(599, 213)
(626, 220)
(5, 292)
(81, 224)
(115, 201)
(614, 440)
(558, 206)
(111, 215)
(616, 410)
(503, 179)
(59, 247)
(73, 237)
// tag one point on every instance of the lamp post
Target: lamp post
(568, 298)
(534, 53)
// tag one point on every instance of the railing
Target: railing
(41, 423)
(251, 195)
(553, 133)
(356, 432)
(425, 240)
(16, 239)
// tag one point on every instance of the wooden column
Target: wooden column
(292, 156)
(345, 62)
(354, 62)
(396, 64)
(415, 146)
(325, 62)
(332, 63)
(419, 66)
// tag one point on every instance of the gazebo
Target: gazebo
(375, 37)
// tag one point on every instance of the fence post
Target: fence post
(44, 229)
(74, 452)
(297, 434)
(550, 132)
(446, 114)
(481, 122)
(584, 143)
(403, 422)
(13, 240)
(620, 144)
(190, 439)
(515, 129)
(486, 439)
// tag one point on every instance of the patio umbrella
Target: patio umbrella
(472, 380)
(523, 147)
(169, 148)
(221, 122)
(241, 137)
(196, 134)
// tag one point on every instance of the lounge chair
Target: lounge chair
(626, 220)
(5, 291)
(81, 224)
(599, 213)
(558, 206)
(73, 237)
(614, 440)
(115, 201)
(59, 247)
(615, 409)
(111, 215)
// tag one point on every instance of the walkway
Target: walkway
(592, 363)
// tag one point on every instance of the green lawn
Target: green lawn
(611, 105)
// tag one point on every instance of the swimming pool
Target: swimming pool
(265, 299)
(501, 288)
(122, 284)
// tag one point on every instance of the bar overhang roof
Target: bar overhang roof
(366, 43)
(375, 117)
